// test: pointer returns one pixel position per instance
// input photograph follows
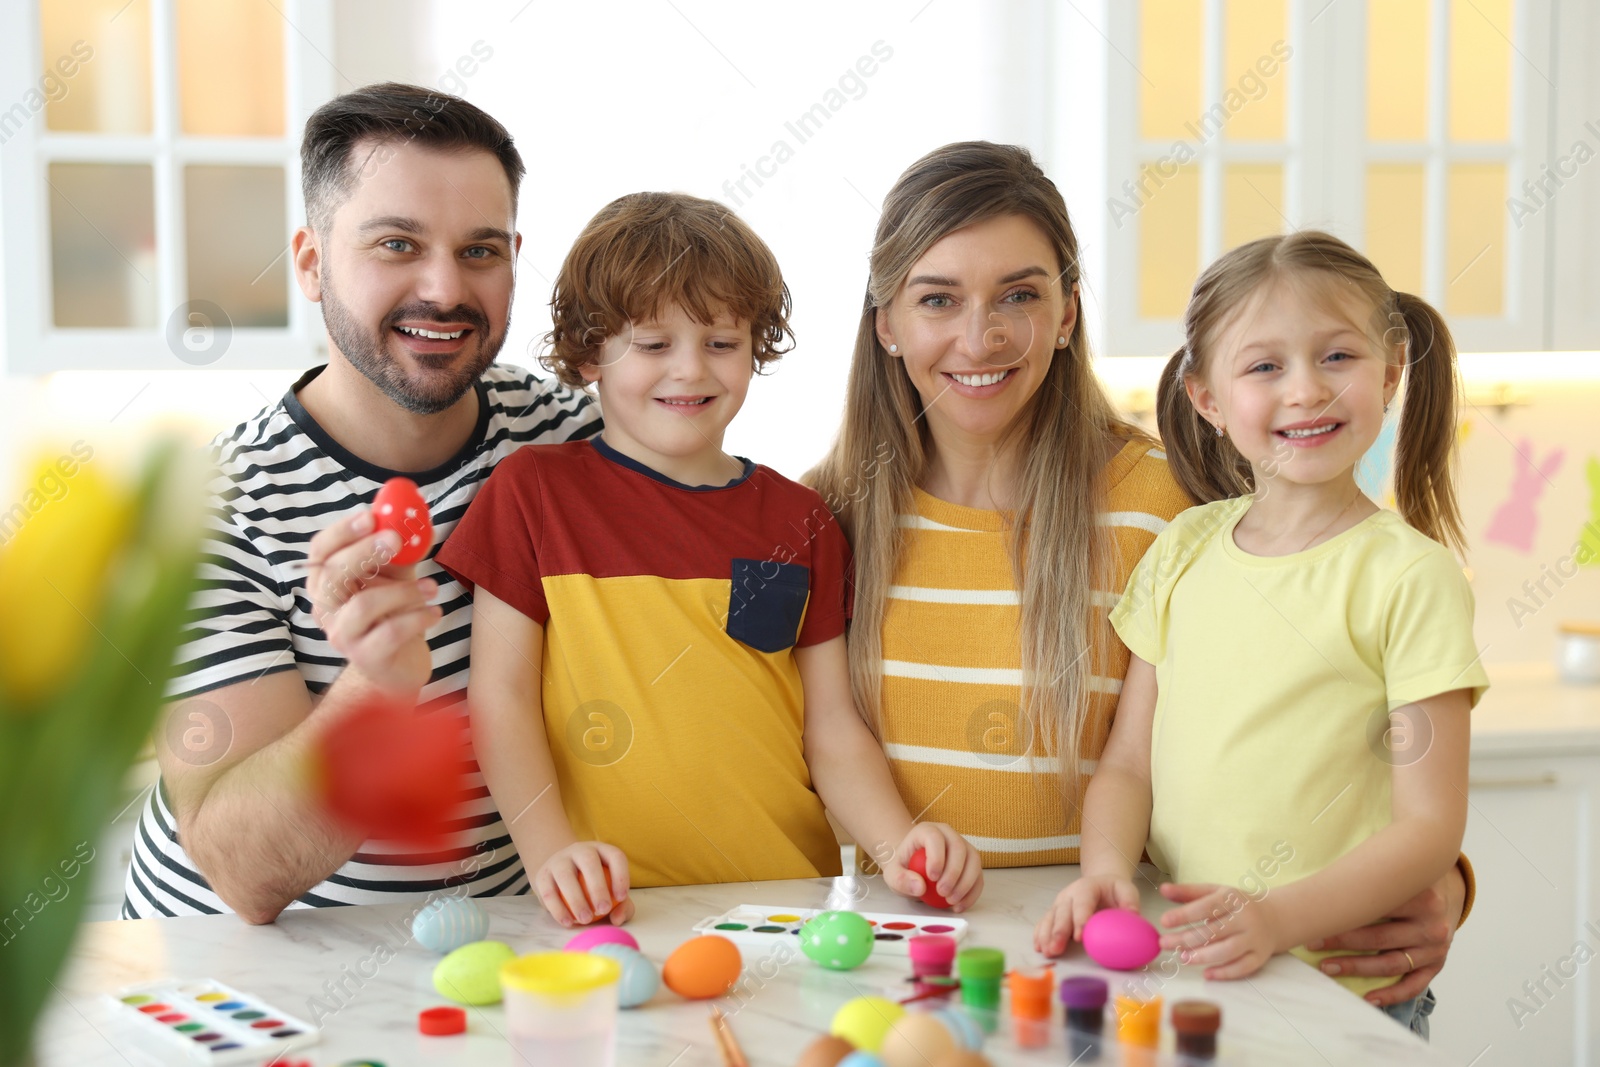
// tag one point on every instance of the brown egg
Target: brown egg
(702, 967)
(916, 1040)
(962, 1058)
(825, 1051)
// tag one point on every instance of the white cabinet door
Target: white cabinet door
(1513, 992)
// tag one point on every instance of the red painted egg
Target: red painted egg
(390, 772)
(919, 864)
(399, 507)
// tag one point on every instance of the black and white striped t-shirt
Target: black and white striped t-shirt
(281, 479)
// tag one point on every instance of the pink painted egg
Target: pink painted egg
(1120, 940)
(584, 940)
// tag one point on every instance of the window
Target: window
(1403, 126)
(151, 181)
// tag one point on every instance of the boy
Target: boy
(659, 691)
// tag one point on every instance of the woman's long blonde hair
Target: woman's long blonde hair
(1407, 328)
(1060, 554)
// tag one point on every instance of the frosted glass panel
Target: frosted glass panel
(235, 219)
(1251, 69)
(1252, 202)
(102, 244)
(1394, 223)
(1475, 230)
(230, 68)
(1171, 35)
(96, 63)
(1397, 70)
(1480, 70)
(1169, 240)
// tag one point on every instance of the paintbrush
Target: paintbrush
(732, 1054)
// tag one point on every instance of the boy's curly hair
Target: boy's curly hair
(644, 251)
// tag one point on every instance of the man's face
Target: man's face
(416, 270)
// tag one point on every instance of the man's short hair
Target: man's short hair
(378, 118)
(645, 251)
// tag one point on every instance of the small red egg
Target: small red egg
(399, 507)
(919, 863)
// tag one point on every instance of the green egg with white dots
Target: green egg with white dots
(471, 974)
(837, 940)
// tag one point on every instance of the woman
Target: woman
(996, 504)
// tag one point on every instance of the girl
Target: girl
(1291, 737)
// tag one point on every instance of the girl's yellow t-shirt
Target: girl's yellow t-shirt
(1271, 749)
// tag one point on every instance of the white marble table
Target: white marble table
(1286, 1014)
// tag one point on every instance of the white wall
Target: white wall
(606, 99)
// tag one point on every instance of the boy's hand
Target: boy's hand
(1074, 906)
(584, 882)
(953, 866)
(1235, 937)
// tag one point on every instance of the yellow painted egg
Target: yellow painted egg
(471, 974)
(865, 1020)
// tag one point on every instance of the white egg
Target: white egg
(450, 922)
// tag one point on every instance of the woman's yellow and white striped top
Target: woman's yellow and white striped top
(957, 745)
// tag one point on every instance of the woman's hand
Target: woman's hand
(953, 866)
(1235, 936)
(1422, 928)
(1075, 905)
(584, 882)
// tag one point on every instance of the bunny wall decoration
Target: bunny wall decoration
(1516, 522)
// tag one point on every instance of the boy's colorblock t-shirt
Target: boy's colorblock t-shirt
(672, 702)
(1270, 753)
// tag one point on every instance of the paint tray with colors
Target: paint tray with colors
(760, 924)
(205, 1021)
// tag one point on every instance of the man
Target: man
(410, 247)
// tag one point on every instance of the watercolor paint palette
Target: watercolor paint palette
(205, 1021)
(761, 924)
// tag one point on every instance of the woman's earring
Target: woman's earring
(1061, 342)
(1220, 433)
(893, 349)
(1386, 407)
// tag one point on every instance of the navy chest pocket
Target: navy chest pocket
(767, 602)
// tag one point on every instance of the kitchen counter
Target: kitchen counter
(1286, 1013)
(1528, 710)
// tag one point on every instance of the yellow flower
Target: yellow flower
(64, 531)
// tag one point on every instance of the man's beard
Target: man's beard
(431, 393)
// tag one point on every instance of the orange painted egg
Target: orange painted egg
(703, 967)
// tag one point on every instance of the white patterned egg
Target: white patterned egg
(450, 922)
(639, 980)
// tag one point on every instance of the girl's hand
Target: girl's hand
(584, 882)
(953, 866)
(1074, 905)
(1235, 936)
